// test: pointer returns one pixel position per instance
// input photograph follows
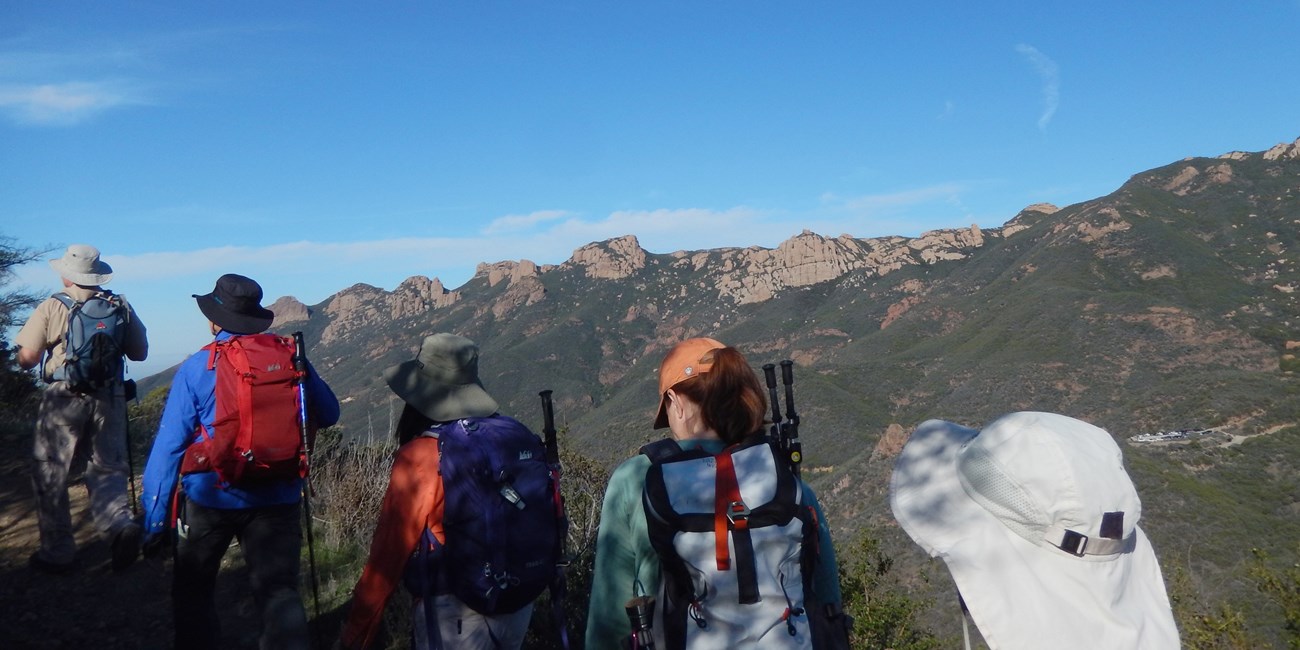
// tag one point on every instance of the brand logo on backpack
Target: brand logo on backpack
(256, 433)
(94, 341)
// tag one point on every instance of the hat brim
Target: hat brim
(101, 275)
(661, 416)
(1020, 594)
(232, 322)
(439, 401)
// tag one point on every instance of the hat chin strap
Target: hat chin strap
(965, 621)
(1079, 545)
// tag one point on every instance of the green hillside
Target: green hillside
(1167, 304)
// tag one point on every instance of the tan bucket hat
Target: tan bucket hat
(81, 265)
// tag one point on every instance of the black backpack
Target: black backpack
(95, 341)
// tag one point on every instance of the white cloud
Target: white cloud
(948, 110)
(516, 223)
(160, 284)
(670, 229)
(876, 203)
(65, 104)
(321, 268)
(1051, 77)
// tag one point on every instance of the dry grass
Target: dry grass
(350, 480)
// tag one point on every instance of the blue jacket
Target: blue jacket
(192, 401)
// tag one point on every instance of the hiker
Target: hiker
(434, 527)
(1036, 520)
(714, 407)
(211, 505)
(83, 408)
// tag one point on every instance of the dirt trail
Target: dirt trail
(92, 607)
(1237, 439)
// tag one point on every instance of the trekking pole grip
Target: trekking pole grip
(548, 428)
(787, 379)
(790, 430)
(300, 357)
(548, 410)
(769, 374)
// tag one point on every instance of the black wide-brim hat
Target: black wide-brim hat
(235, 305)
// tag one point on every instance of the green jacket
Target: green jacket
(626, 565)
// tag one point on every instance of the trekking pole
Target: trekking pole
(790, 430)
(128, 394)
(774, 435)
(548, 430)
(640, 614)
(559, 586)
(301, 368)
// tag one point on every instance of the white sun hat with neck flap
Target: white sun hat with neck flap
(1036, 520)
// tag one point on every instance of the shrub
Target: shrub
(1282, 586)
(350, 480)
(884, 615)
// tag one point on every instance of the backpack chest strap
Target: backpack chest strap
(729, 509)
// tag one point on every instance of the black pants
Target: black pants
(270, 539)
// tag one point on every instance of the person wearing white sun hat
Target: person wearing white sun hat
(79, 418)
(1036, 520)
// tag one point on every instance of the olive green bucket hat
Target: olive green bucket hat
(442, 382)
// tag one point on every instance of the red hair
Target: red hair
(731, 399)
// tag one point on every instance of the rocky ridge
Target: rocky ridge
(740, 276)
(288, 310)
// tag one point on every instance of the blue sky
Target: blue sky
(314, 145)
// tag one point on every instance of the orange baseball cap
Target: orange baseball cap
(687, 359)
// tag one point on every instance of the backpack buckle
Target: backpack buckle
(737, 511)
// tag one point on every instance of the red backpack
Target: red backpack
(256, 432)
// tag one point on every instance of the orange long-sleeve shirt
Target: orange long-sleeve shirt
(414, 500)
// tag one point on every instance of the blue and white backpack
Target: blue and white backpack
(95, 339)
(737, 547)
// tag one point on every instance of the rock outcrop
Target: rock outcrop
(757, 274)
(1191, 180)
(362, 305)
(1284, 151)
(891, 442)
(288, 309)
(610, 260)
(497, 272)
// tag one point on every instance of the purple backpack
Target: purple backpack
(504, 517)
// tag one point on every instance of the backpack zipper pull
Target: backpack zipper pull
(790, 610)
(693, 610)
(508, 491)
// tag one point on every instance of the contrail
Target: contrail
(1051, 75)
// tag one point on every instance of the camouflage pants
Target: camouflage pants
(72, 426)
(461, 627)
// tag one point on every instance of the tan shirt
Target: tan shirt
(48, 324)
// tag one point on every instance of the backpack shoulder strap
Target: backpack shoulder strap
(116, 300)
(660, 450)
(64, 298)
(214, 349)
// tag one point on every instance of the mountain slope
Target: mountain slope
(1170, 303)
